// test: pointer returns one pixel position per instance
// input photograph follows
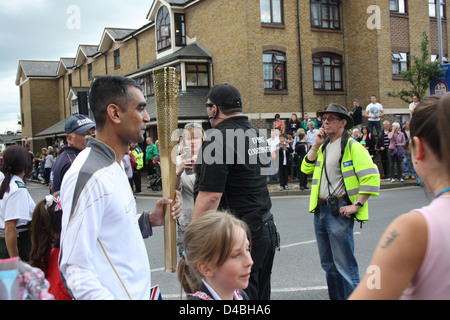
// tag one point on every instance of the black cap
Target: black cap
(225, 95)
(79, 123)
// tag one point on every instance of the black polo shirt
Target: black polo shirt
(234, 160)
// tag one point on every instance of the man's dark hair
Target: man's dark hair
(106, 90)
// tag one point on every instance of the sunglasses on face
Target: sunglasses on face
(330, 119)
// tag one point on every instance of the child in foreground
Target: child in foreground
(216, 261)
(45, 232)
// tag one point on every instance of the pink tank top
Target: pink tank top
(433, 279)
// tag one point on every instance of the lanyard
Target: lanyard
(442, 191)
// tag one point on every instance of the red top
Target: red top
(53, 276)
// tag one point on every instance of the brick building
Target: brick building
(285, 57)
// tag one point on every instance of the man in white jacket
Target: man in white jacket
(103, 255)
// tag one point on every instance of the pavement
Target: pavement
(294, 188)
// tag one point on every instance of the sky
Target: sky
(52, 29)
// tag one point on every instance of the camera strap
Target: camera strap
(326, 174)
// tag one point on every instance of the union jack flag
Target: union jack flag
(155, 293)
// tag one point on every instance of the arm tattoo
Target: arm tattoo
(390, 239)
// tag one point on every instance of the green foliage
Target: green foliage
(420, 74)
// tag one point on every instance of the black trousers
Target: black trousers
(150, 168)
(283, 175)
(264, 244)
(302, 178)
(385, 161)
(47, 175)
(137, 180)
(23, 245)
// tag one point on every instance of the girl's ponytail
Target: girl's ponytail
(45, 230)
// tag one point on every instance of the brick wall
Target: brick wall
(434, 45)
(25, 108)
(147, 47)
(45, 110)
(400, 33)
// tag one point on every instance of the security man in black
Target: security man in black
(232, 169)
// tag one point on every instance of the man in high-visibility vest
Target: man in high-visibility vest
(139, 156)
(344, 177)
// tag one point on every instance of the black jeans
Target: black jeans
(385, 162)
(23, 245)
(137, 180)
(283, 175)
(264, 244)
(47, 175)
(302, 178)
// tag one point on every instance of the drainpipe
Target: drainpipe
(137, 51)
(300, 58)
(439, 28)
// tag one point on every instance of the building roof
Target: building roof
(55, 130)
(119, 33)
(178, 3)
(37, 69)
(9, 139)
(191, 51)
(65, 64)
(85, 51)
(68, 62)
(111, 35)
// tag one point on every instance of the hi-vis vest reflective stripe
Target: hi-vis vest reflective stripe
(139, 155)
(360, 175)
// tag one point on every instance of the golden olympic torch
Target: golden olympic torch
(166, 82)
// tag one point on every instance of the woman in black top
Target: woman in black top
(366, 136)
(293, 125)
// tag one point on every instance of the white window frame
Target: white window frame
(399, 62)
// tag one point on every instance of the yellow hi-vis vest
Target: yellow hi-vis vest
(139, 155)
(360, 174)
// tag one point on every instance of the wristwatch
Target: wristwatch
(357, 203)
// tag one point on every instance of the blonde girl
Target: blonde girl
(216, 261)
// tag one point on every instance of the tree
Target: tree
(421, 73)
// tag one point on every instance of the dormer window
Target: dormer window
(163, 28)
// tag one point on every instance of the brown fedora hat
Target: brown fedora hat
(341, 111)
